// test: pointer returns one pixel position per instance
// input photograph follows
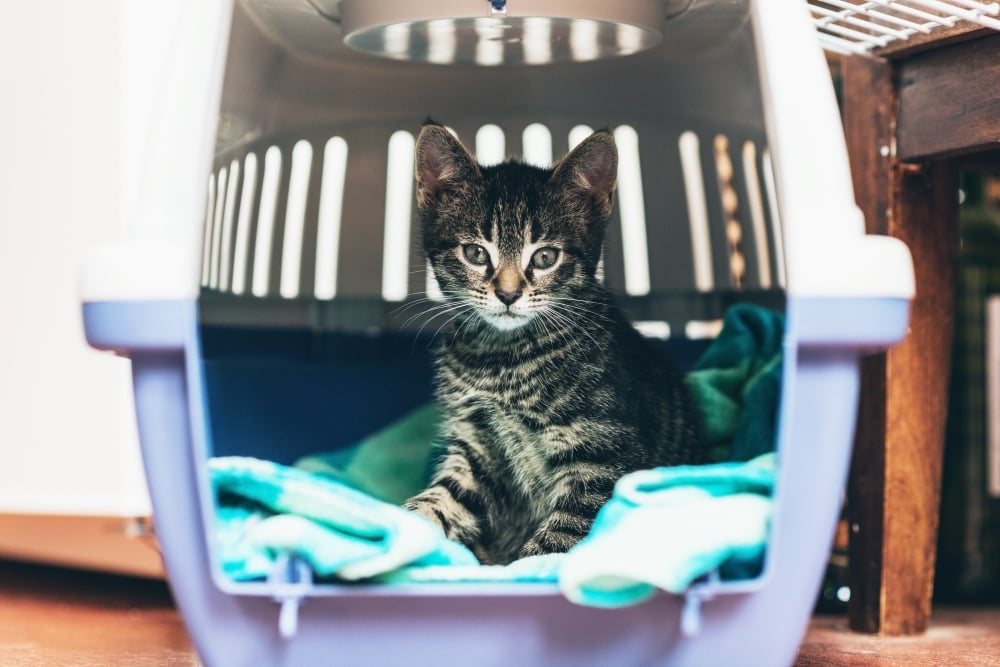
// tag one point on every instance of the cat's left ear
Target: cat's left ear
(443, 166)
(590, 171)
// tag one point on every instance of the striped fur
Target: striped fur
(549, 394)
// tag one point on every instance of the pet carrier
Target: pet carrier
(278, 321)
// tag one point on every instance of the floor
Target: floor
(51, 616)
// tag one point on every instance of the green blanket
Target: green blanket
(736, 384)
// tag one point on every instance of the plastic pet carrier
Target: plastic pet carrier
(281, 320)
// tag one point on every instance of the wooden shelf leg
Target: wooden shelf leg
(894, 487)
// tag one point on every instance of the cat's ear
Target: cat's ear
(443, 166)
(590, 171)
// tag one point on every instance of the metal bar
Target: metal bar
(843, 46)
(975, 16)
(912, 11)
(888, 18)
(862, 23)
(860, 36)
(992, 8)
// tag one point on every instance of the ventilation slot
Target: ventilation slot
(295, 217)
(489, 46)
(242, 249)
(694, 191)
(755, 207)
(775, 210)
(578, 134)
(537, 40)
(441, 41)
(265, 221)
(536, 145)
(491, 147)
(220, 201)
(331, 206)
(583, 42)
(632, 209)
(228, 215)
(206, 241)
(398, 214)
(730, 210)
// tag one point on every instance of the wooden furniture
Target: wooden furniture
(55, 617)
(912, 114)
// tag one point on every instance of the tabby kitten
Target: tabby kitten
(549, 394)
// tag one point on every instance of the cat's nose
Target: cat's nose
(508, 285)
(507, 298)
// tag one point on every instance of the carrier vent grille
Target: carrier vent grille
(323, 217)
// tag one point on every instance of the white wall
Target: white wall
(68, 157)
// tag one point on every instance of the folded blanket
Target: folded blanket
(662, 529)
(736, 384)
(266, 510)
(668, 527)
(532, 569)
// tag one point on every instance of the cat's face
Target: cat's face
(514, 242)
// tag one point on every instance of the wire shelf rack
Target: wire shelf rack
(860, 26)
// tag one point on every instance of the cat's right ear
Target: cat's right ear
(443, 166)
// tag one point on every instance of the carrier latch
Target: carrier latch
(691, 616)
(292, 580)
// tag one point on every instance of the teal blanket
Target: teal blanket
(663, 529)
(736, 384)
(266, 510)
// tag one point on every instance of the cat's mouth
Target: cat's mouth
(507, 319)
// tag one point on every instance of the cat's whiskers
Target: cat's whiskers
(545, 318)
(432, 311)
(438, 310)
(411, 301)
(596, 320)
(581, 318)
(464, 328)
(415, 300)
(571, 322)
(588, 307)
(458, 313)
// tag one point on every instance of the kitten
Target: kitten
(549, 395)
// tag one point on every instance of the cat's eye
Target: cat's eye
(476, 254)
(544, 258)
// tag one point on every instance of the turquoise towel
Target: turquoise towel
(266, 510)
(668, 527)
(532, 569)
(662, 529)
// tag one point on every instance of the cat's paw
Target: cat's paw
(532, 548)
(548, 542)
(426, 509)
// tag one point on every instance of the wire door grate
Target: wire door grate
(860, 26)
